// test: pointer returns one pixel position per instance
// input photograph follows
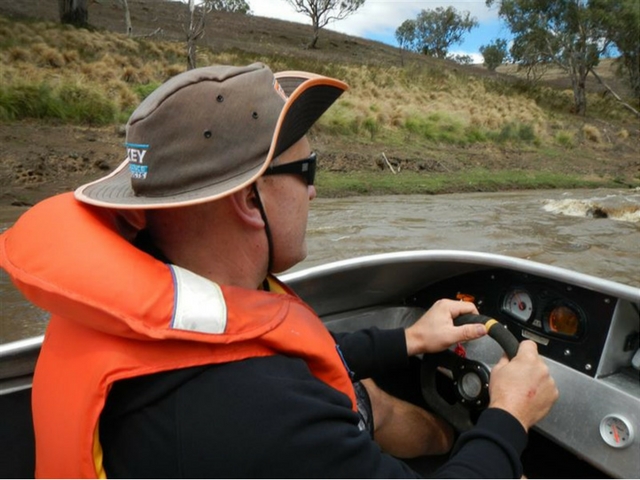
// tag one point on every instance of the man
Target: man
(185, 357)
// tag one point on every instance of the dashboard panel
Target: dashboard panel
(568, 323)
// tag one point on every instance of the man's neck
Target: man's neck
(237, 270)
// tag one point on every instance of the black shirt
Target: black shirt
(270, 417)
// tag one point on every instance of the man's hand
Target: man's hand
(435, 331)
(523, 386)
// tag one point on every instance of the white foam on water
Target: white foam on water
(612, 206)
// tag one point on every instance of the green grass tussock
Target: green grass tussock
(69, 102)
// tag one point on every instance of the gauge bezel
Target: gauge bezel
(504, 305)
(608, 439)
(552, 305)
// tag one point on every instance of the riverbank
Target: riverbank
(410, 123)
(38, 160)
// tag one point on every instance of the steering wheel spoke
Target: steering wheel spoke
(469, 379)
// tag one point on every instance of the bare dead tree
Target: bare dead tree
(615, 95)
(321, 12)
(195, 30)
(127, 17)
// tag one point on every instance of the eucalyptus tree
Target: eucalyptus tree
(494, 53)
(321, 12)
(433, 32)
(438, 29)
(621, 20)
(567, 33)
(406, 36)
(235, 6)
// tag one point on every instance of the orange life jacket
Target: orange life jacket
(119, 313)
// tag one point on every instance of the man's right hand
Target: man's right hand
(523, 386)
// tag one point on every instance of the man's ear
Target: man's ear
(247, 207)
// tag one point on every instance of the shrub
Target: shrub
(592, 133)
(623, 134)
(565, 139)
(19, 54)
(372, 126)
(29, 101)
(144, 90)
(515, 132)
(84, 104)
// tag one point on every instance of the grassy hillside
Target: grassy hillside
(442, 126)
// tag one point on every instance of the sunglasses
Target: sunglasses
(306, 168)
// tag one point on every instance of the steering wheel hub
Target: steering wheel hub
(473, 384)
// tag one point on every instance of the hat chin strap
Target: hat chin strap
(267, 231)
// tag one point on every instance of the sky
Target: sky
(379, 19)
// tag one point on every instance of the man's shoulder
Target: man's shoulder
(244, 377)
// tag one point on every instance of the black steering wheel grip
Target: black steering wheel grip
(495, 330)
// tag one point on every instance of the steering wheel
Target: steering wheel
(469, 378)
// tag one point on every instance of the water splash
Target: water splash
(613, 207)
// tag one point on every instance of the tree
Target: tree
(197, 15)
(621, 19)
(234, 6)
(437, 30)
(494, 54)
(406, 35)
(462, 59)
(321, 12)
(567, 33)
(195, 30)
(74, 12)
(127, 17)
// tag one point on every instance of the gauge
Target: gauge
(564, 320)
(616, 431)
(518, 304)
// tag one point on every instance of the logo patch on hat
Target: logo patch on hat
(135, 155)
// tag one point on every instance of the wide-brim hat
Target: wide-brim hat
(209, 132)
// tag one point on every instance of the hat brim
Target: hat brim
(309, 96)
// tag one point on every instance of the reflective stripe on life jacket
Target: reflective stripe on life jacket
(118, 313)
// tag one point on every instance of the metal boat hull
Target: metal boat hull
(591, 364)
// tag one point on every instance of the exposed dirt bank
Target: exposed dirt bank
(38, 160)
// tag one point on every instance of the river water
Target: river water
(592, 231)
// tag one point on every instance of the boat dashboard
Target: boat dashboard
(586, 328)
(569, 323)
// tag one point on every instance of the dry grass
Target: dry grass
(422, 99)
(554, 75)
(447, 127)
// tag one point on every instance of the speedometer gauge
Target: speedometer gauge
(518, 304)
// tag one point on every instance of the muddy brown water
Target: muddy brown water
(596, 232)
